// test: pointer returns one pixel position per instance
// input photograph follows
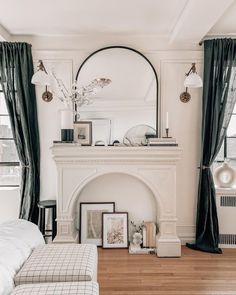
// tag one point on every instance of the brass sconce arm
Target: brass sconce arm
(41, 67)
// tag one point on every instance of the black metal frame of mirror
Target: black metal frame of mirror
(136, 51)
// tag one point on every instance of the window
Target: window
(9, 162)
(228, 148)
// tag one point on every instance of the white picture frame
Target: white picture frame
(102, 131)
(115, 230)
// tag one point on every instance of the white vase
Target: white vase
(224, 176)
(66, 119)
(137, 239)
(67, 128)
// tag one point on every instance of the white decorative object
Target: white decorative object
(138, 250)
(102, 130)
(224, 176)
(155, 167)
(137, 239)
(137, 135)
(80, 95)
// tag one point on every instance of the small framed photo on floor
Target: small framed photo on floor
(83, 132)
(115, 230)
(91, 221)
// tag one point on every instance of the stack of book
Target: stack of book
(164, 141)
(136, 250)
(149, 234)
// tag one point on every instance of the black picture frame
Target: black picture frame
(83, 132)
(84, 236)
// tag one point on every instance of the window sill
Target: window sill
(9, 188)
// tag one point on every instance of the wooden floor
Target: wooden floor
(195, 273)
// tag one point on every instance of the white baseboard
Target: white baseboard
(186, 233)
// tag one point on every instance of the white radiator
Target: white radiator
(226, 208)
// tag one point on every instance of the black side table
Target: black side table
(51, 205)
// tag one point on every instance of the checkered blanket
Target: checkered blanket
(59, 263)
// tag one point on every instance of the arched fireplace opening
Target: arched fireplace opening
(128, 192)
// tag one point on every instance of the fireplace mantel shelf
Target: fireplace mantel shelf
(66, 152)
(156, 167)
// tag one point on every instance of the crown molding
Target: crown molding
(93, 41)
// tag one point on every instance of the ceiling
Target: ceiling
(63, 17)
(175, 20)
(226, 25)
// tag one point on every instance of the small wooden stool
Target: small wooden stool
(43, 205)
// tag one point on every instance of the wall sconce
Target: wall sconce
(192, 80)
(42, 78)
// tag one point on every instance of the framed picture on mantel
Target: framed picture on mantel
(91, 221)
(83, 132)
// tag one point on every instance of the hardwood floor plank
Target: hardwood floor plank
(195, 273)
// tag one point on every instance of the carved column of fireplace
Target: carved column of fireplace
(154, 166)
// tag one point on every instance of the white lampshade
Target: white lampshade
(41, 78)
(193, 80)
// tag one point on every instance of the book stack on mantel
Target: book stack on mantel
(162, 141)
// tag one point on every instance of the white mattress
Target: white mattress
(18, 238)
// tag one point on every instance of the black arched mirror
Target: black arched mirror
(131, 99)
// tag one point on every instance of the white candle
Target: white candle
(167, 120)
(66, 119)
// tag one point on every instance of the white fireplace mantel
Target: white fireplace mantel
(154, 166)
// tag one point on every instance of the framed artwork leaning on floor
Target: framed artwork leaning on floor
(115, 230)
(91, 221)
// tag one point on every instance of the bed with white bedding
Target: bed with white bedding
(18, 239)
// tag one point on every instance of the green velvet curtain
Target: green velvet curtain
(217, 105)
(16, 70)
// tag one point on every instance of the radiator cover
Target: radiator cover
(226, 208)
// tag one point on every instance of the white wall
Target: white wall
(9, 204)
(185, 119)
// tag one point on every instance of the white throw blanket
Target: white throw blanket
(17, 240)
